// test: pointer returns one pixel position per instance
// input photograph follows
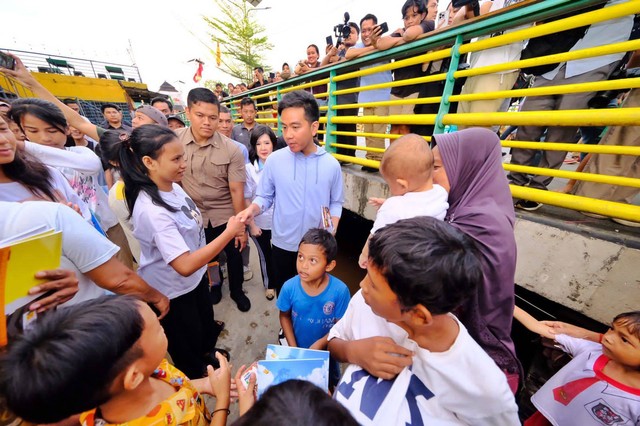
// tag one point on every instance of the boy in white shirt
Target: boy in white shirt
(411, 360)
(407, 167)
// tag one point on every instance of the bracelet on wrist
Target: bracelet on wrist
(221, 409)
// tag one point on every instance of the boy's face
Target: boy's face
(379, 296)
(297, 131)
(153, 341)
(312, 263)
(622, 346)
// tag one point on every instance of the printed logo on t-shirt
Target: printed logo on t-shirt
(367, 394)
(191, 211)
(328, 308)
(604, 413)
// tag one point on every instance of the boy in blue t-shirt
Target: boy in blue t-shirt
(312, 301)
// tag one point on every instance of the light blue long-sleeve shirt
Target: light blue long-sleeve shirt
(299, 187)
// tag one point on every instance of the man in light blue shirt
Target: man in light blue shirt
(303, 182)
(368, 25)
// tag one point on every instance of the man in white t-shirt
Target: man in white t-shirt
(411, 360)
(84, 251)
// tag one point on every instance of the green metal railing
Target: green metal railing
(453, 42)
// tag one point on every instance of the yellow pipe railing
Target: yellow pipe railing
(575, 202)
(358, 148)
(625, 46)
(395, 119)
(554, 146)
(304, 86)
(591, 117)
(399, 83)
(356, 160)
(589, 18)
(566, 174)
(418, 101)
(392, 136)
(430, 56)
(627, 83)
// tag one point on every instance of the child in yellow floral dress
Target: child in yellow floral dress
(105, 359)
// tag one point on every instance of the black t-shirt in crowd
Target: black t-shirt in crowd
(411, 71)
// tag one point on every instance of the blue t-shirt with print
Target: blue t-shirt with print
(313, 316)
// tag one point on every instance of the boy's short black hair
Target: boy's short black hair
(105, 106)
(66, 364)
(355, 26)
(322, 237)
(247, 101)
(162, 99)
(301, 99)
(296, 402)
(410, 4)
(369, 16)
(631, 320)
(426, 262)
(68, 101)
(202, 94)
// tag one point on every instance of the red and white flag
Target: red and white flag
(198, 75)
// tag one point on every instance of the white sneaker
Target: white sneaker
(248, 273)
(626, 222)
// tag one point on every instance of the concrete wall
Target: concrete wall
(589, 274)
(594, 273)
(359, 187)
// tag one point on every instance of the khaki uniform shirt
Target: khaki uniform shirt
(210, 168)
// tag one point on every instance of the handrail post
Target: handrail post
(450, 81)
(329, 136)
(278, 99)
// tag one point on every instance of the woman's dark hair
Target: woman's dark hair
(44, 110)
(284, 65)
(127, 152)
(410, 4)
(66, 364)
(293, 403)
(30, 172)
(258, 131)
(316, 48)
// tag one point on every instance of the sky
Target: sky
(161, 36)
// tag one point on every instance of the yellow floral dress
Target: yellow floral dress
(185, 407)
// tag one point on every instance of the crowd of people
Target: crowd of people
(149, 213)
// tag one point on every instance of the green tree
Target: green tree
(242, 40)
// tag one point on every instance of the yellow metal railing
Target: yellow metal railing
(448, 43)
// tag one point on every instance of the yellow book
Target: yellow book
(4, 261)
(28, 255)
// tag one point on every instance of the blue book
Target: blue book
(283, 363)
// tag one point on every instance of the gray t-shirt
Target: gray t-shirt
(164, 236)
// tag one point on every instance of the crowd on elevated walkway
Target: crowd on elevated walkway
(150, 214)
